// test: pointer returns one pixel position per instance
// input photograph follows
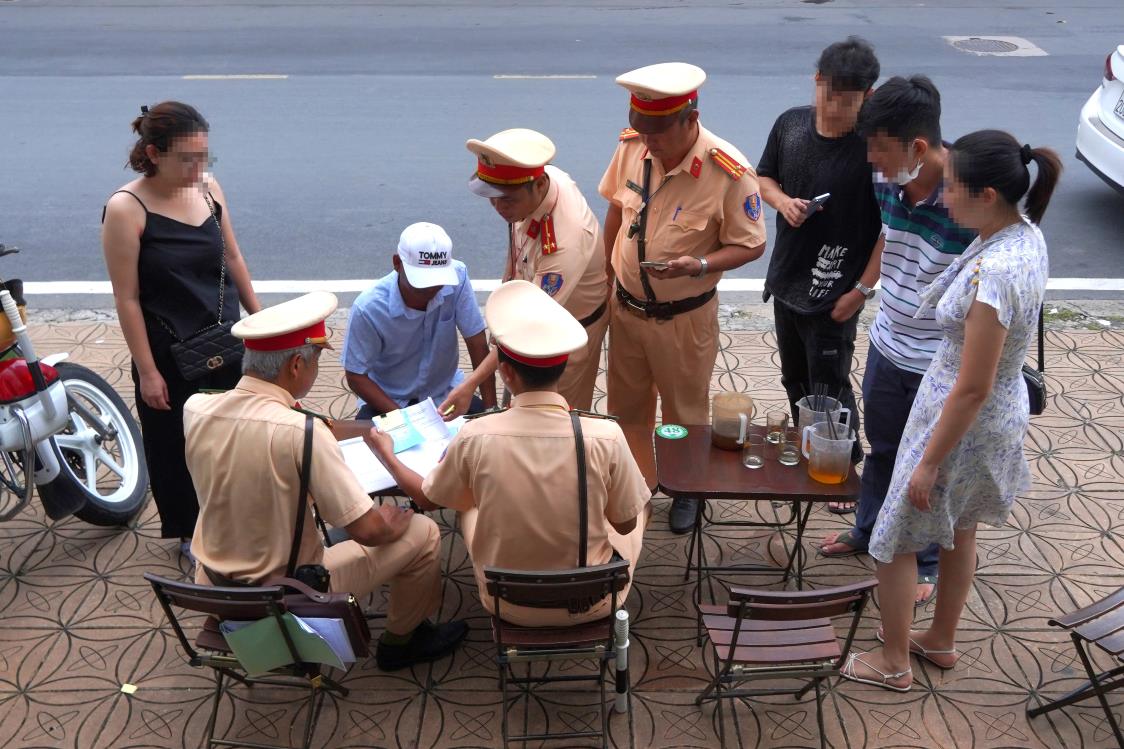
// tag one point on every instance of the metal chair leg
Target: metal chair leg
(1100, 691)
(819, 714)
(503, 705)
(214, 708)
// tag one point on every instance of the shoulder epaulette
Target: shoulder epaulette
(628, 134)
(594, 414)
(727, 163)
(489, 412)
(326, 419)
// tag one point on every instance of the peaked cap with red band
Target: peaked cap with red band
(530, 327)
(292, 324)
(510, 157)
(663, 89)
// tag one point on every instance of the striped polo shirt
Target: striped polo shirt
(921, 241)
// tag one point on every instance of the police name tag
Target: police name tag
(671, 431)
(634, 187)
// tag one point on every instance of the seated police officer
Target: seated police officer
(513, 474)
(244, 451)
(401, 342)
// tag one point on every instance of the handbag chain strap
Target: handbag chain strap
(222, 279)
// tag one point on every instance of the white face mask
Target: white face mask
(905, 176)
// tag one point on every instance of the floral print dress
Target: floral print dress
(979, 479)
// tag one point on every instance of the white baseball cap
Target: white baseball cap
(427, 256)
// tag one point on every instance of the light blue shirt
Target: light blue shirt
(411, 354)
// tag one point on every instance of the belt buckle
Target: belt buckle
(635, 304)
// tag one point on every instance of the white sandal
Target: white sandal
(848, 672)
(923, 654)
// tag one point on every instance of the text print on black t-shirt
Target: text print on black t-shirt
(827, 271)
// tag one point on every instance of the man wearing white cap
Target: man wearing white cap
(244, 451)
(684, 206)
(513, 475)
(401, 342)
(554, 242)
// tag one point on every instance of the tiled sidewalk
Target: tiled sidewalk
(77, 621)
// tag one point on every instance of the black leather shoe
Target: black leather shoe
(428, 643)
(681, 518)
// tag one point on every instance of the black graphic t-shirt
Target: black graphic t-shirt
(814, 265)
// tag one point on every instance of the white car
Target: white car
(1100, 131)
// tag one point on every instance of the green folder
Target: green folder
(260, 647)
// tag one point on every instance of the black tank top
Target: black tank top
(178, 272)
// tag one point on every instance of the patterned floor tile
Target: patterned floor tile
(77, 620)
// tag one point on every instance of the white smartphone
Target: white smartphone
(654, 264)
(815, 203)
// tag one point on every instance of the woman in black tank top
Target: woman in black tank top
(164, 251)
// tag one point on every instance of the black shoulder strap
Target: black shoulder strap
(1041, 341)
(642, 232)
(302, 505)
(583, 490)
(129, 192)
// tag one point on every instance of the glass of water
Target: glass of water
(776, 422)
(789, 448)
(753, 451)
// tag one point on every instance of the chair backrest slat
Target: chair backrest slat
(792, 611)
(556, 588)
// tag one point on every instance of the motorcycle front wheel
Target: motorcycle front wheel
(107, 471)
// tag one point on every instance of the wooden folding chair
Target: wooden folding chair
(554, 589)
(780, 635)
(211, 651)
(1100, 624)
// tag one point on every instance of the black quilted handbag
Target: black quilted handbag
(1036, 378)
(214, 347)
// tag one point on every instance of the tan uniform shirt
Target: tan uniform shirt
(519, 468)
(700, 209)
(574, 273)
(244, 450)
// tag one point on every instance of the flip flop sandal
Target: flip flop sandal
(926, 580)
(842, 510)
(922, 653)
(848, 672)
(846, 539)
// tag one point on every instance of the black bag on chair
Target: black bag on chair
(214, 347)
(1036, 378)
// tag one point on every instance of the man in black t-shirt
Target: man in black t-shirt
(826, 258)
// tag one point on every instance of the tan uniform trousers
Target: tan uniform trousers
(629, 547)
(411, 565)
(674, 357)
(580, 377)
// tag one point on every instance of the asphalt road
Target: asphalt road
(323, 169)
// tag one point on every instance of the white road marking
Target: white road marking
(355, 285)
(544, 77)
(237, 77)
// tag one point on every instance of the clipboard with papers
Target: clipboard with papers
(420, 438)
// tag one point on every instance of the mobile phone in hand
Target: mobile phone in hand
(654, 264)
(815, 203)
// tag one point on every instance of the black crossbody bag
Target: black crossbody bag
(1036, 378)
(211, 348)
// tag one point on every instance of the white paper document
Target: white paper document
(422, 457)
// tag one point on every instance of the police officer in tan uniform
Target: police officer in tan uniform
(554, 242)
(244, 451)
(684, 206)
(513, 475)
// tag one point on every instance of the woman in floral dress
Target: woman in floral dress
(961, 460)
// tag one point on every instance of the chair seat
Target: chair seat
(210, 637)
(576, 635)
(772, 642)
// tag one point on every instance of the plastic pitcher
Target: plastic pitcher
(829, 459)
(730, 417)
(833, 409)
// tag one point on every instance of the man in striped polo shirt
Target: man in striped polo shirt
(901, 124)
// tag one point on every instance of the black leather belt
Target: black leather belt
(595, 315)
(661, 310)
